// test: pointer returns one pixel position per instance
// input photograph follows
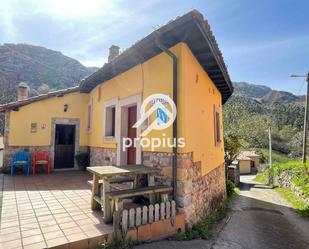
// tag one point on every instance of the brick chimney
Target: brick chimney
(22, 91)
(113, 52)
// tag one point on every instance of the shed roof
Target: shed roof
(191, 29)
(249, 153)
(243, 158)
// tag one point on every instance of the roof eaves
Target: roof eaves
(17, 104)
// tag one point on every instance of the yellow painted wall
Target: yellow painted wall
(151, 77)
(197, 97)
(42, 112)
(196, 102)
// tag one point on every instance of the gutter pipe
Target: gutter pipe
(175, 136)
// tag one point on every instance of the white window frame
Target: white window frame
(217, 126)
(108, 104)
(89, 116)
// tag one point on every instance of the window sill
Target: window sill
(109, 139)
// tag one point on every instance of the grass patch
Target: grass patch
(277, 157)
(298, 204)
(298, 172)
(261, 178)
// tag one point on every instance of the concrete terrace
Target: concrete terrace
(50, 212)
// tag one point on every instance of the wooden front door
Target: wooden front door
(64, 146)
(131, 156)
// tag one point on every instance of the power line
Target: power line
(301, 87)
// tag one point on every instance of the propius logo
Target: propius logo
(161, 114)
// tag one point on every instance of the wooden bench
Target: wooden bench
(115, 180)
(116, 183)
(118, 196)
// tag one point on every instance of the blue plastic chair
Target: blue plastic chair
(22, 159)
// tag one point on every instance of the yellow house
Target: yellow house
(181, 60)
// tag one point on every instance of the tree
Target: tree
(232, 148)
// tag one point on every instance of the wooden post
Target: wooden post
(94, 192)
(306, 123)
(151, 182)
(107, 214)
(116, 225)
(125, 217)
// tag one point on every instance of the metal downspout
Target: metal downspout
(175, 136)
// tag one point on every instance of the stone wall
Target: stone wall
(162, 161)
(197, 195)
(233, 174)
(102, 156)
(285, 181)
(10, 150)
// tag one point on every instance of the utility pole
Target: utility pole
(270, 147)
(305, 118)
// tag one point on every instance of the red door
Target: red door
(131, 156)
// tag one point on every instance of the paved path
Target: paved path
(258, 219)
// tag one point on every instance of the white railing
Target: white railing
(136, 217)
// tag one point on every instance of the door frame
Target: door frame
(64, 121)
(121, 116)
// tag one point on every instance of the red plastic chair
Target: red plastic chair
(41, 158)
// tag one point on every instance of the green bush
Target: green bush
(230, 188)
(298, 171)
(83, 159)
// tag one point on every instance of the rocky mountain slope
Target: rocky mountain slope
(265, 94)
(253, 108)
(36, 66)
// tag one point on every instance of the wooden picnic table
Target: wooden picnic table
(106, 174)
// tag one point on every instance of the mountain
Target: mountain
(36, 66)
(251, 90)
(253, 108)
(265, 94)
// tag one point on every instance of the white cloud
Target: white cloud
(7, 27)
(82, 29)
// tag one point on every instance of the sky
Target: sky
(263, 42)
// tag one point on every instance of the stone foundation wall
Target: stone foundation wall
(162, 161)
(10, 150)
(197, 195)
(102, 156)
